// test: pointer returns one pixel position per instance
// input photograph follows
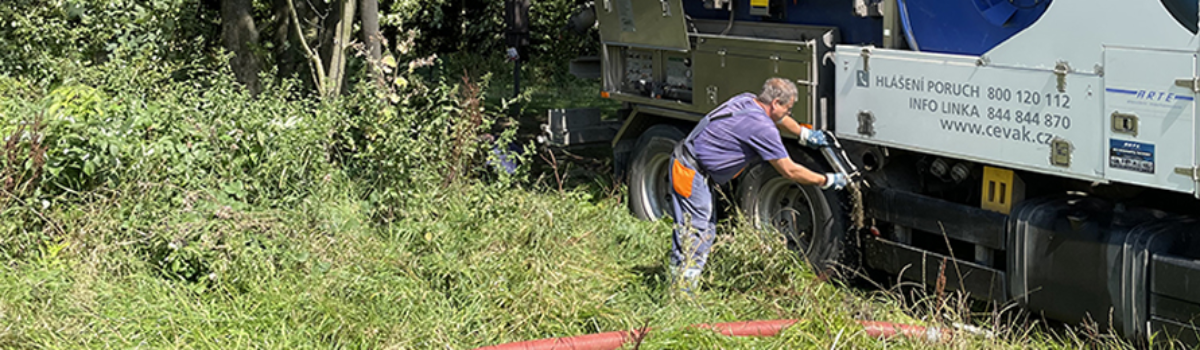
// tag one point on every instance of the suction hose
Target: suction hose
(837, 158)
(614, 340)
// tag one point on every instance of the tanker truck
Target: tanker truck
(1036, 152)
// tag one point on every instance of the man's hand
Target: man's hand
(813, 138)
(835, 180)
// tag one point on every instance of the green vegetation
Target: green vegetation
(150, 201)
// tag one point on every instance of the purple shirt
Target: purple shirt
(728, 145)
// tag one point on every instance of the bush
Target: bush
(474, 31)
(434, 134)
(38, 37)
(204, 149)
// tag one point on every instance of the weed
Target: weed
(24, 158)
(212, 219)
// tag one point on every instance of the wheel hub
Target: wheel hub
(783, 206)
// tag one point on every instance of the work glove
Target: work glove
(835, 180)
(813, 138)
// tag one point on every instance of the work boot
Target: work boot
(686, 280)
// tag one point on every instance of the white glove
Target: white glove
(835, 180)
(813, 138)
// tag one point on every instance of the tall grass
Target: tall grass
(217, 220)
(476, 267)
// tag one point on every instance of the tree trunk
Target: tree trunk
(240, 37)
(341, 42)
(327, 61)
(372, 38)
(288, 58)
(316, 66)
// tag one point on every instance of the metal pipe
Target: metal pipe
(837, 157)
(832, 157)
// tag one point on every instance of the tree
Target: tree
(371, 36)
(328, 77)
(240, 36)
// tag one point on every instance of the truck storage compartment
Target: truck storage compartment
(738, 65)
(718, 67)
(951, 106)
(1084, 259)
(1068, 259)
(645, 24)
(1175, 284)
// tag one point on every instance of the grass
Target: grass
(478, 265)
(475, 263)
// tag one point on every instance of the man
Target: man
(737, 134)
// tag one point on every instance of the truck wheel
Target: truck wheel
(811, 220)
(649, 181)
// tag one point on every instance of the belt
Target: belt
(684, 153)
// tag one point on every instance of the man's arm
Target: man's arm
(789, 126)
(797, 172)
(806, 135)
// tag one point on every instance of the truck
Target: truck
(1037, 152)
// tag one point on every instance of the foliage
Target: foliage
(42, 39)
(38, 36)
(149, 201)
(552, 45)
(477, 33)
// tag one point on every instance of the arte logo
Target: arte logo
(1150, 95)
(1160, 96)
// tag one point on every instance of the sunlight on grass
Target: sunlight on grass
(477, 267)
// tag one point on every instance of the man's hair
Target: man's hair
(778, 89)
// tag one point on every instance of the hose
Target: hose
(732, 12)
(614, 340)
(837, 158)
(598, 341)
(749, 328)
(883, 330)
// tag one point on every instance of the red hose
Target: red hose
(614, 340)
(887, 330)
(599, 341)
(749, 328)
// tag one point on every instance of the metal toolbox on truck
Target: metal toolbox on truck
(737, 65)
(654, 57)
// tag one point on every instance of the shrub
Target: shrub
(432, 133)
(37, 37)
(105, 113)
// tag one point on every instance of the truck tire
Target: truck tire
(811, 220)
(649, 183)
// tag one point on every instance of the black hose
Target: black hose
(731, 14)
